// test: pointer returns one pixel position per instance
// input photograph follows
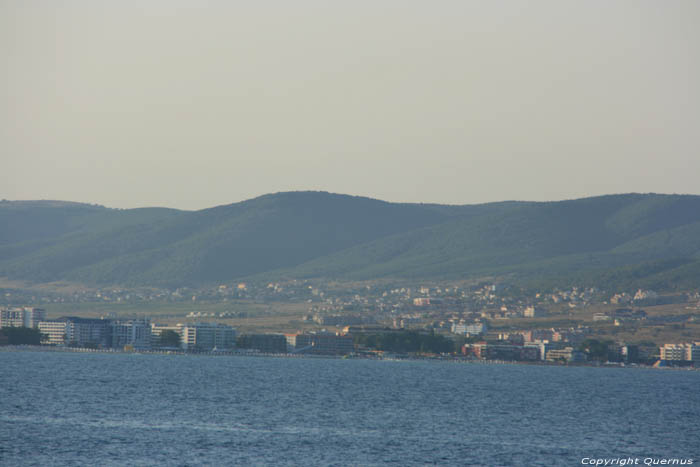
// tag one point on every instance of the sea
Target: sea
(101, 409)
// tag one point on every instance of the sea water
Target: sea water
(132, 409)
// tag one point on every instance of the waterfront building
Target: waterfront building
(567, 354)
(320, 343)
(198, 336)
(291, 342)
(32, 317)
(11, 318)
(680, 352)
(88, 332)
(134, 333)
(158, 329)
(675, 352)
(206, 336)
(544, 346)
(502, 351)
(694, 352)
(530, 352)
(79, 332)
(53, 332)
(27, 317)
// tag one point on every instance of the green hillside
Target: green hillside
(211, 245)
(648, 239)
(535, 239)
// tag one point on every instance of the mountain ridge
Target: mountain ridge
(313, 234)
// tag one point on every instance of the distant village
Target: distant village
(477, 322)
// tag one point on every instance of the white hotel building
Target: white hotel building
(680, 352)
(27, 317)
(199, 336)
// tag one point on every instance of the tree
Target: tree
(169, 338)
(596, 350)
(405, 342)
(21, 336)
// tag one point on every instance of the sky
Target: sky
(192, 104)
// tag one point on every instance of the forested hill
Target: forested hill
(649, 239)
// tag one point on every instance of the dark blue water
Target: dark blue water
(102, 409)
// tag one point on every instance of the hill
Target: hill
(648, 239)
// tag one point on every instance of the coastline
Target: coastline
(392, 358)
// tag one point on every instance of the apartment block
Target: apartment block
(27, 317)
(135, 333)
(320, 344)
(54, 332)
(207, 336)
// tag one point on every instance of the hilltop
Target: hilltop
(649, 239)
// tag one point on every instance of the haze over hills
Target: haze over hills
(647, 240)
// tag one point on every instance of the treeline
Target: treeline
(605, 351)
(19, 336)
(405, 342)
(268, 343)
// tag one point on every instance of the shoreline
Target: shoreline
(393, 358)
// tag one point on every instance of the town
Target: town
(482, 321)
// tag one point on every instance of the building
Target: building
(533, 312)
(12, 318)
(27, 317)
(320, 344)
(674, 352)
(158, 329)
(32, 316)
(543, 347)
(78, 332)
(291, 342)
(471, 329)
(511, 338)
(567, 354)
(53, 332)
(680, 352)
(134, 333)
(503, 351)
(206, 336)
(694, 352)
(87, 332)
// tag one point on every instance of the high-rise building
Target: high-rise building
(198, 336)
(680, 352)
(207, 336)
(53, 332)
(320, 343)
(471, 329)
(27, 317)
(135, 333)
(88, 332)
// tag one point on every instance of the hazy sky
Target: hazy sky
(191, 104)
